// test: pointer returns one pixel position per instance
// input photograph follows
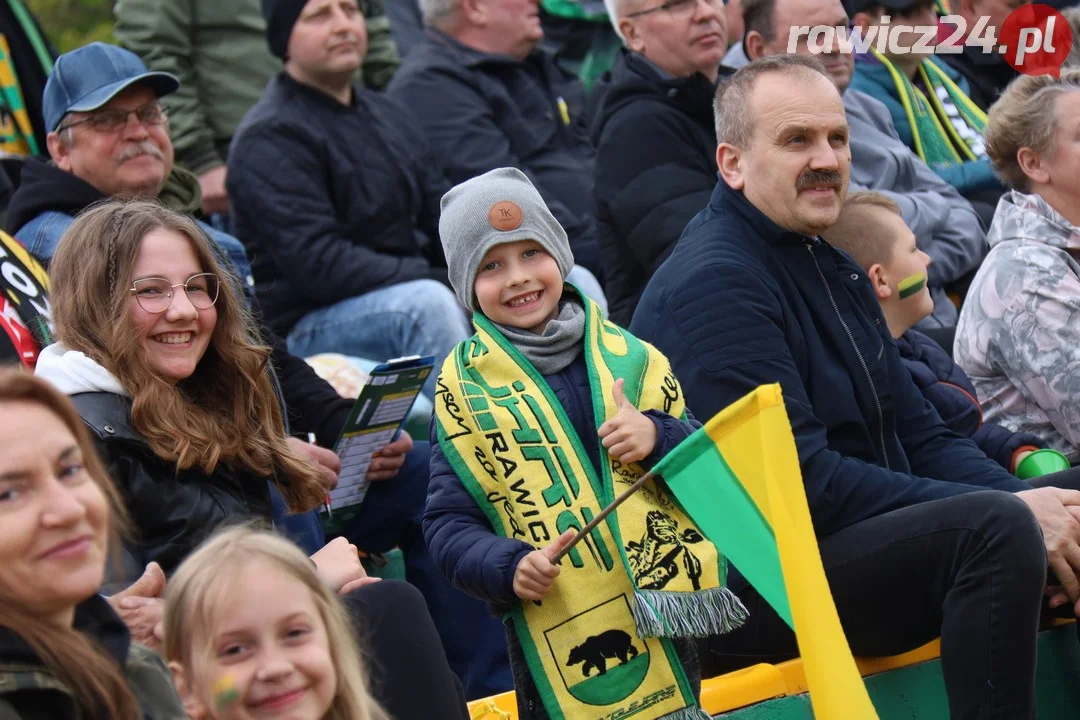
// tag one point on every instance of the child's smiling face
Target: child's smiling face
(519, 285)
(269, 655)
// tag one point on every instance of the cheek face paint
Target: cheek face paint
(225, 691)
(911, 285)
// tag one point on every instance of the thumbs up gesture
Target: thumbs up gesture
(629, 436)
(535, 574)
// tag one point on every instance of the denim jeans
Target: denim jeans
(421, 317)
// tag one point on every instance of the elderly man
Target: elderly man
(337, 200)
(488, 97)
(653, 130)
(108, 137)
(920, 533)
(945, 224)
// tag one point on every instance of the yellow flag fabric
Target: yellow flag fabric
(739, 479)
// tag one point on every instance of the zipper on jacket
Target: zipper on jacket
(858, 353)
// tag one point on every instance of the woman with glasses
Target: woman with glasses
(161, 358)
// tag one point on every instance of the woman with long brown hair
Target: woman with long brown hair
(64, 654)
(160, 357)
(163, 362)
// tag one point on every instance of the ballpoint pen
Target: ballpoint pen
(329, 512)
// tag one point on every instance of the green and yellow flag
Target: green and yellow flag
(738, 478)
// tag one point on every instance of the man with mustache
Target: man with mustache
(653, 130)
(921, 535)
(945, 224)
(488, 96)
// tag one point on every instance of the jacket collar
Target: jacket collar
(726, 200)
(471, 57)
(694, 93)
(290, 86)
(93, 617)
(107, 415)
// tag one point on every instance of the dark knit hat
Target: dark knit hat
(281, 16)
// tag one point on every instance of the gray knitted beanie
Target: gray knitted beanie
(500, 206)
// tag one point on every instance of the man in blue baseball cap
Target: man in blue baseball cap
(105, 123)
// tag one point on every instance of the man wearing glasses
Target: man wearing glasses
(653, 128)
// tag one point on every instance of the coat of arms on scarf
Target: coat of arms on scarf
(655, 559)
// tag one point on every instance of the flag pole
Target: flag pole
(603, 514)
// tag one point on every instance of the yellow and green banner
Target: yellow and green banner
(739, 480)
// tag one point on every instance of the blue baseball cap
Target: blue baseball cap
(87, 78)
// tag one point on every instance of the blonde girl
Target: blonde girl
(251, 629)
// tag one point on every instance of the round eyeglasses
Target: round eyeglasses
(155, 294)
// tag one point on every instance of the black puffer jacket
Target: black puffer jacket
(172, 511)
(331, 200)
(655, 170)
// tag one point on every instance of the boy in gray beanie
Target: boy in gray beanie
(536, 427)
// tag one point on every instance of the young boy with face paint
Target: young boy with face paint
(872, 231)
(542, 418)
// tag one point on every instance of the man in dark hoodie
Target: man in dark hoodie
(653, 129)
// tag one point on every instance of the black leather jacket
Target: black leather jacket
(171, 511)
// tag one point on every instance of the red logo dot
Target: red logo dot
(1036, 40)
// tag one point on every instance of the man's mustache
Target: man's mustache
(819, 178)
(140, 148)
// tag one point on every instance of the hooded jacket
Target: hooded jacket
(172, 510)
(655, 169)
(743, 302)
(44, 207)
(1018, 338)
(30, 691)
(949, 390)
(48, 198)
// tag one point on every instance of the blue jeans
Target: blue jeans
(421, 317)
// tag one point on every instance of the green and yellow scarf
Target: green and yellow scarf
(937, 140)
(597, 644)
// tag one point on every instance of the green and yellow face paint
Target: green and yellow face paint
(912, 285)
(225, 691)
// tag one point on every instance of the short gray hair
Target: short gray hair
(614, 11)
(438, 13)
(731, 105)
(1024, 117)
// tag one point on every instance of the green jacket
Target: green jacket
(218, 50)
(29, 691)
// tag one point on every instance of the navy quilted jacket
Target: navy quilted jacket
(458, 534)
(949, 390)
(742, 302)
